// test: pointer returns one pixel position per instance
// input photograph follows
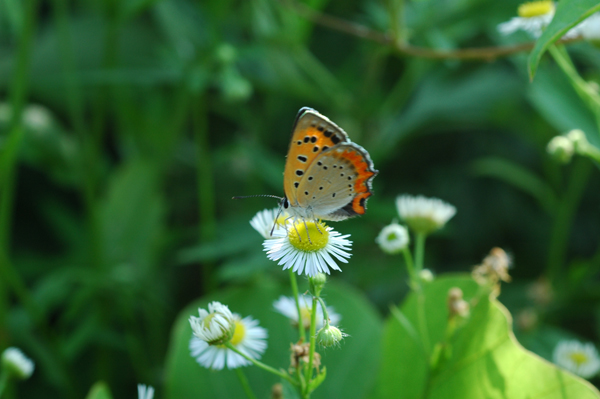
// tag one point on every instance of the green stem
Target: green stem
(396, 11)
(423, 321)
(262, 365)
(311, 349)
(294, 284)
(325, 314)
(3, 382)
(585, 91)
(415, 283)
(419, 252)
(244, 382)
(567, 207)
(419, 260)
(590, 151)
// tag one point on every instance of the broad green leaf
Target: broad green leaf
(483, 358)
(351, 369)
(99, 391)
(568, 14)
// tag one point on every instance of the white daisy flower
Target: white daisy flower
(287, 306)
(424, 215)
(249, 338)
(145, 392)
(15, 363)
(578, 358)
(264, 221)
(309, 253)
(215, 326)
(393, 238)
(533, 18)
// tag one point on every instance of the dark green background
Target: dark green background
(119, 214)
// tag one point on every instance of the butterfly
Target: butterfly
(326, 176)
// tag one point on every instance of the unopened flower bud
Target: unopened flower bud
(16, 364)
(216, 326)
(426, 275)
(316, 283)
(329, 336)
(561, 149)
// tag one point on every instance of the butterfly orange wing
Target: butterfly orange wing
(313, 133)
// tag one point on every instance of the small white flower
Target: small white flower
(287, 306)
(249, 338)
(424, 215)
(533, 18)
(264, 221)
(145, 392)
(308, 251)
(578, 358)
(393, 238)
(215, 326)
(15, 363)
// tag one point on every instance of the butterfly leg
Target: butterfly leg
(315, 220)
(306, 227)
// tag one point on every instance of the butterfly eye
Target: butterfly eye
(286, 203)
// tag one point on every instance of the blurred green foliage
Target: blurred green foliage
(127, 126)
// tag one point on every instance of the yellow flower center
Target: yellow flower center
(535, 8)
(239, 333)
(309, 236)
(579, 358)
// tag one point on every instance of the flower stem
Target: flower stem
(245, 384)
(325, 314)
(311, 349)
(262, 365)
(410, 266)
(294, 285)
(420, 252)
(419, 259)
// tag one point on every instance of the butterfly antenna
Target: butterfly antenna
(257, 195)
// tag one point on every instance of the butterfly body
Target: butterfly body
(326, 175)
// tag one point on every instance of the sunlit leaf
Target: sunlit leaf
(482, 359)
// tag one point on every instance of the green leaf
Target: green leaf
(568, 14)
(99, 391)
(483, 360)
(314, 384)
(351, 369)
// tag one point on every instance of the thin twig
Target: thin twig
(354, 29)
